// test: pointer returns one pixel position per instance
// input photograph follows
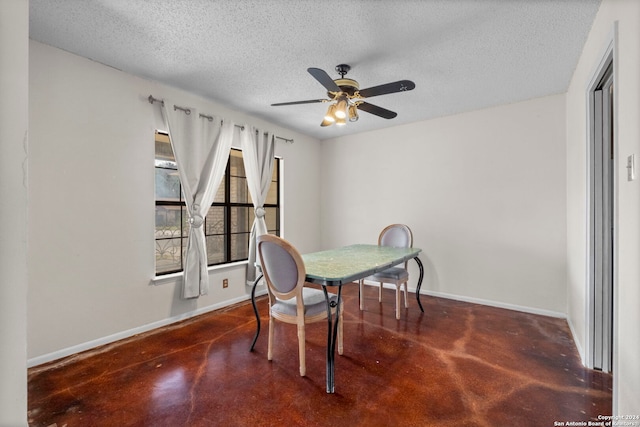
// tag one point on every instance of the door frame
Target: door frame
(608, 58)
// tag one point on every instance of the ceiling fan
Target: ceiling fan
(346, 97)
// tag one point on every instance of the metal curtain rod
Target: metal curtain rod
(187, 111)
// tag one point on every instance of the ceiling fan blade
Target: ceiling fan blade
(324, 79)
(378, 111)
(399, 86)
(310, 101)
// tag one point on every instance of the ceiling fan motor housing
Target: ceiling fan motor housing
(348, 86)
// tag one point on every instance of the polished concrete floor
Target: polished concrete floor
(457, 364)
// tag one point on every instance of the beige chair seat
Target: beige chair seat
(314, 303)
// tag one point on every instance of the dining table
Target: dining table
(337, 267)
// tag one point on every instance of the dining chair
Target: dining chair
(399, 236)
(290, 301)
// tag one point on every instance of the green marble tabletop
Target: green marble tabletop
(350, 263)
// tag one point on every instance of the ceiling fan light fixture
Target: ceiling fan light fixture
(341, 109)
(330, 116)
(353, 113)
(341, 121)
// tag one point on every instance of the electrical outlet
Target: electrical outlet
(225, 283)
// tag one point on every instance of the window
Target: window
(227, 226)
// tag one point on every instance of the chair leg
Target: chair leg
(406, 291)
(270, 341)
(398, 302)
(301, 349)
(361, 294)
(380, 293)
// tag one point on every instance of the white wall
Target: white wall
(91, 216)
(484, 193)
(626, 369)
(14, 57)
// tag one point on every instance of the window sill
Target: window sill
(171, 278)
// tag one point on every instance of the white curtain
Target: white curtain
(258, 154)
(201, 147)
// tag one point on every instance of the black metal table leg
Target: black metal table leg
(332, 335)
(255, 310)
(419, 282)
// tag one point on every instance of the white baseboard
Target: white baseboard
(490, 303)
(514, 307)
(45, 358)
(577, 343)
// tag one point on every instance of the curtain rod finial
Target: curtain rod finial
(152, 100)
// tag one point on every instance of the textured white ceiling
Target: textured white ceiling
(247, 54)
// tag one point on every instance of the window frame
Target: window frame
(228, 206)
